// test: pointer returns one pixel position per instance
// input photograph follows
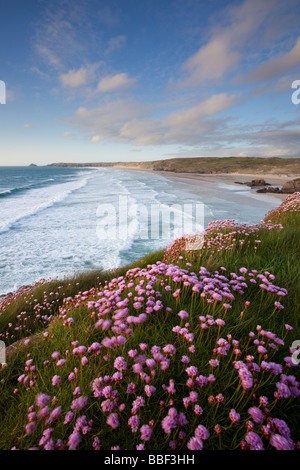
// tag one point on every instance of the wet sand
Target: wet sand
(232, 179)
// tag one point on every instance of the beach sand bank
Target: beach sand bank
(228, 179)
(220, 182)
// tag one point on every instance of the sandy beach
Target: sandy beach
(216, 180)
(231, 178)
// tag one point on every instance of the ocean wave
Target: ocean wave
(18, 207)
(18, 189)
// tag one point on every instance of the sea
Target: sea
(58, 221)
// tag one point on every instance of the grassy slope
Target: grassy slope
(277, 253)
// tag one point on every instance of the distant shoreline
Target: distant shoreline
(274, 166)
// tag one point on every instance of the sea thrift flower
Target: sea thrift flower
(113, 420)
(192, 371)
(183, 314)
(84, 361)
(195, 444)
(120, 363)
(146, 433)
(256, 414)
(218, 429)
(202, 433)
(55, 380)
(168, 423)
(198, 410)
(234, 416)
(79, 403)
(68, 418)
(134, 422)
(42, 400)
(254, 441)
(30, 428)
(74, 440)
(43, 412)
(149, 390)
(280, 442)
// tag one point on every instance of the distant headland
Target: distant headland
(207, 165)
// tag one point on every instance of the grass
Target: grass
(225, 246)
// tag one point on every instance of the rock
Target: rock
(271, 189)
(291, 186)
(254, 183)
(258, 182)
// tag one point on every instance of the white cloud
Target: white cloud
(127, 121)
(115, 43)
(225, 47)
(75, 78)
(28, 126)
(105, 120)
(67, 134)
(209, 107)
(96, 139)
(277, 66)
(120, 81)
(210, 62)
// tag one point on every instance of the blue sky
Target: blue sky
(140, 80)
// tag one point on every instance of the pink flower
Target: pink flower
(202, 433)
(256, 414)
(113, 420)
(280, 442)
(134, 422)
(74, 440)
(120, 363)
(55, 380)
(42, 400)
(55, 413)
(183, 314)
(69, 416)
(79, 403)
(168, 423)
(195, 444)
(254, 441)
(30, 428)
(234, 416)
(192, 371)
(84, 361)
(146, 432)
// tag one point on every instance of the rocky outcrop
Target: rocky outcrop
(255, 183)
(291, 186)
(271, 189)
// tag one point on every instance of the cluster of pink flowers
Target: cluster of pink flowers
(220, 235)
(133, 379)
(289, 205)
(165, 352)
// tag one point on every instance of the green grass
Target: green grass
(278, 253)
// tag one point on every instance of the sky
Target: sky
(115, 80)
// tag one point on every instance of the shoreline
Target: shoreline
(231, 179)
(193, 180)
(276, 178)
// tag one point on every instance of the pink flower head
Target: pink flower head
(55, 380)
(113, 420)
(146, 432)
(256, 414)
(79, 403)
(195, 444)
(42, 400)
(234, 416)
